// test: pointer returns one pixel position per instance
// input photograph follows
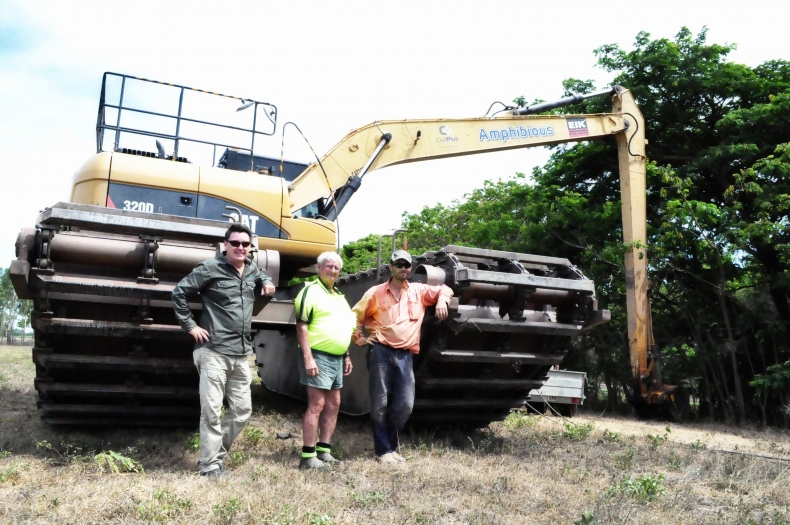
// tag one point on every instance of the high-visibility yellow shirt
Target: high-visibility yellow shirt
(328, 316)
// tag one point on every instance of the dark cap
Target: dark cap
(400, 254)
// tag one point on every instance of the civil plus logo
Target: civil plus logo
(446, 139)
(577, 127)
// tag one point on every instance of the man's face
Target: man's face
(237, 253)
(328, 272)
(400, 269)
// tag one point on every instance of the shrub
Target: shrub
(117, 463)
(647, 488)
(226, 512)
(577, 432)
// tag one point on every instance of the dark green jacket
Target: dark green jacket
(227, 299)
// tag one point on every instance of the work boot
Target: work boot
(311, 463)
(327, 458)
(387, 458)
(398, 457)
(216, 473)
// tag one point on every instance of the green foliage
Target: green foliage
(646, 488)
(193, 442)
(625, 459)
(362, 254)
(14, 312)
(674, 462)
(236, 458)
(612, 437)
(519, 420)
(163, 507)
(314, 518)
(577, 431)
(655, 442)
(286, 516)
(226, 512)
(10, 473)
(366, 498)
(586, 519)
(718, 195)
(117, 463)
(254, 435)
(68, 452)
(698, 446)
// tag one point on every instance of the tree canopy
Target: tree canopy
(718, 194)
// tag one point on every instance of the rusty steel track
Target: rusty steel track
(108, 349)
(512, 318)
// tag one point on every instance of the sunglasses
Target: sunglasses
(401, 265)
(236, 244)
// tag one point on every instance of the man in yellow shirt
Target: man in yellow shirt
(324, 324)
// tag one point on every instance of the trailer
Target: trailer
(563, 393)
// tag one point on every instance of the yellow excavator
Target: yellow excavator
(100, 268)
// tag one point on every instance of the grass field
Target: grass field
(525, 470)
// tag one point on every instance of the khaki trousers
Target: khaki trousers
(221, 376)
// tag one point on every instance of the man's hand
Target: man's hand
(268, 289)
(360, 339)
(441, 309)
(200, 334)
(310, 366)
(347, 366)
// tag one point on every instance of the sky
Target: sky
(329, 66)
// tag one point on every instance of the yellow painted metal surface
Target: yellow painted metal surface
(154, 173)
(632, 161)
(260, 193)
(295, 247)
(417, 140)
(89, 184)
(310, 230)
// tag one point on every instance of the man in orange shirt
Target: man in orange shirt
(392, 313)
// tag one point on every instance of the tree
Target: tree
(717, 194)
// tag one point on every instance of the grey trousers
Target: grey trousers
(221, 376)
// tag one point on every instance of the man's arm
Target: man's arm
(360, 312)
(189, 287)
(303, 338)
(267, 285)
(438, 295)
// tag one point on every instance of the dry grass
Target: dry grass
(525, 470)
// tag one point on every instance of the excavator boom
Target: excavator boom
(426, 139)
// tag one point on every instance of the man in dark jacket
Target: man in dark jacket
(226, 286)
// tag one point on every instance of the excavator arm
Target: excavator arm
(390, 142)
(385, 143)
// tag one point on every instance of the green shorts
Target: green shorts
(330, 371)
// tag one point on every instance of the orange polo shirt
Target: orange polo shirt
(394, 322)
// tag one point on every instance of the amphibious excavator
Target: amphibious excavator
(100, 268)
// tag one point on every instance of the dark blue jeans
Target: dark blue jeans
(391, 394)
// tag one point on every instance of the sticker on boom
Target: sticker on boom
(577, 127)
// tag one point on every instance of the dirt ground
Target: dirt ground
(527, 469)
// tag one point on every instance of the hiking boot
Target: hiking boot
(327, 458)
(216, 473)
(387, 458)
(398, 457)
(311, 463)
